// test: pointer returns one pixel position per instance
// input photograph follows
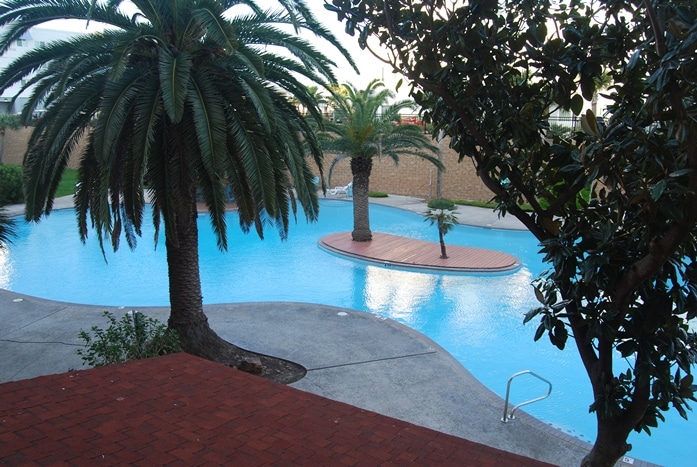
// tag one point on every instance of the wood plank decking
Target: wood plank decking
(406, 252)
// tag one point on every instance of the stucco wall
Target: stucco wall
(15, 145)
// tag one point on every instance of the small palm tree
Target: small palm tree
(188, 95)
(370, 128)
(437, 214)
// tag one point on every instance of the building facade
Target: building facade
(13, 99)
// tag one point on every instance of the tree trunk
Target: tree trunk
(441, 237)
(186, 315)
(439, 174)
(361, 168)
(610, 444)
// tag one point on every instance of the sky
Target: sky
(369, 66)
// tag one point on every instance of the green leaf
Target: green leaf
(541, 32)
(577, 104)
(680, 173)
(561, 305)
(539, 332)
(658, 189)
(532, 313)
(540, 296)
(558, 335)
(627, 348)
(634, 59)
(589, 124)
(587, 87)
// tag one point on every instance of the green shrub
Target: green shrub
(442, 204)
(377, 194)
(133, 338)
(11, 185)
(558, 132)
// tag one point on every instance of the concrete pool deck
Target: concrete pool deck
(352, 357)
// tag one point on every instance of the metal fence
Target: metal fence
(571, 121)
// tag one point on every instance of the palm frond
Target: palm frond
(175, 73)
(7, 229)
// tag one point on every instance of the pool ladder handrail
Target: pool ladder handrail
(510, 416)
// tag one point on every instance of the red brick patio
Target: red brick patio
(184, 410)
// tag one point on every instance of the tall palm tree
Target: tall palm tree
(7, 228)
(183, 95)
(369, 128)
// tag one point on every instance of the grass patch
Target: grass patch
(377, 194)
(67, 184)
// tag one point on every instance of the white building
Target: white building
(31, 39)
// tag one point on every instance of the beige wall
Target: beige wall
(412, 177)
(15, 145)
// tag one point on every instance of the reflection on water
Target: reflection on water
(6, 269)
(397, 294)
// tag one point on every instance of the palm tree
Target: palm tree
(7, 229)
(320, 99)
(182, 96)
(370, 128)
(445, 221)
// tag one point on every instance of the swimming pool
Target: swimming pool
(477, 318)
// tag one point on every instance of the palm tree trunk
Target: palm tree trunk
(361, 169)
(186, 314)
(441, 238)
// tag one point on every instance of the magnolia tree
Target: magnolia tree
(613, 206)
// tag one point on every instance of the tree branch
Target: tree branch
(657, 29)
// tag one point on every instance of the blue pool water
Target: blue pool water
(477, 318)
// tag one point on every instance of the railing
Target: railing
(510, 416)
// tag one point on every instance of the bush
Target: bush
(11, 185)
(557, 132)
(377, 194)
(133, 338)
(442, 204)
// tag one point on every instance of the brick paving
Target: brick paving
(409, 252)
(183, 410)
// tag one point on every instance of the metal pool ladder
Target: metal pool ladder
(507, 416)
